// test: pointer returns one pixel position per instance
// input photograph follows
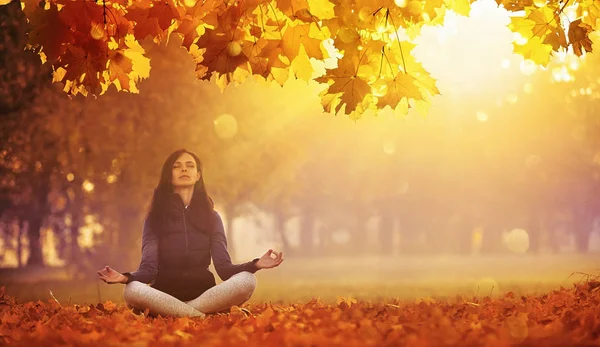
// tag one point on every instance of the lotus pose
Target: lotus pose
(181, 233)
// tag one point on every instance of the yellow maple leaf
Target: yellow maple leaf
(322, 9)
(544, 19)
(461, 7)
(301, 66)
(589, 10)
(402, 86)
(350, 87)
(297, 34)
(535, 50)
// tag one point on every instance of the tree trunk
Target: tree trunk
(359, 233)
(36, 217)
(386, 230)
(35, 246)
(280, 220)
(76, 206)
(20, 230)
(307, 232)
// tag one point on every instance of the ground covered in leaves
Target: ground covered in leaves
(561, 318)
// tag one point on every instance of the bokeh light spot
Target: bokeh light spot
(226, 126)
(482, 116)
(517, 241)
(88, 186)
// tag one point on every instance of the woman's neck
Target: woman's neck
(185, 193)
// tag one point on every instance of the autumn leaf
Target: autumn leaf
(80, 15)
(153, 18)
(119, 67)
(144, 25)
(462, 7)
(290, 7)
(197, 19)
(351, 88)
(556, 38)
(83, 67)
(589, 10)
(402, 86)
(264, 55)
(222, 54)
(544, 19)
(579, 37)
(296, 35)
(301, 66)
(535, 50)
(321, 9)
(51, 32)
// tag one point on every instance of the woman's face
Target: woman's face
(185, 171)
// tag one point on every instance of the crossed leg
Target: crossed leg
(234, 291)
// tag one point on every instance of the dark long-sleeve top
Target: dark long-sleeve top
(148, 269)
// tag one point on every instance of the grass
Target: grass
(366, 278)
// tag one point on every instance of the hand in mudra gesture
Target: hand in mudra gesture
(111, 276)
(267, 261)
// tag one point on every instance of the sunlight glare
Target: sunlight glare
(442, 51)
(482, 116)
(401, 3)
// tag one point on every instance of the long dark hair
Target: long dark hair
(201, 206)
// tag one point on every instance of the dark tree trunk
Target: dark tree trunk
(76, 206)
(21, 229)
(36, 217)
(280, 220)
(35, 246)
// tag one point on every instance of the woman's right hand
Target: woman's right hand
(111, 276)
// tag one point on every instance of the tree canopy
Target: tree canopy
(360, 51)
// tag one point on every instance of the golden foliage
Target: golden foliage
(86, 42)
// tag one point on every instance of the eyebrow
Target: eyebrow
(187, 162)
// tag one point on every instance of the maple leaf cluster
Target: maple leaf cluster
(352, 47)
(561, 318)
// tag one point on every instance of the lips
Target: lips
(184, 176)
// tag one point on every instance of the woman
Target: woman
(181, 234)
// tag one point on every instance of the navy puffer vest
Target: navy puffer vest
(183, 253)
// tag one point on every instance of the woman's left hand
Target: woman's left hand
(267, 261)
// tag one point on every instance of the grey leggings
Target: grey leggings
(234, 291)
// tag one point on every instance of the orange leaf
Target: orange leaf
(290, 7)
(119, 66)
(50, 31)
